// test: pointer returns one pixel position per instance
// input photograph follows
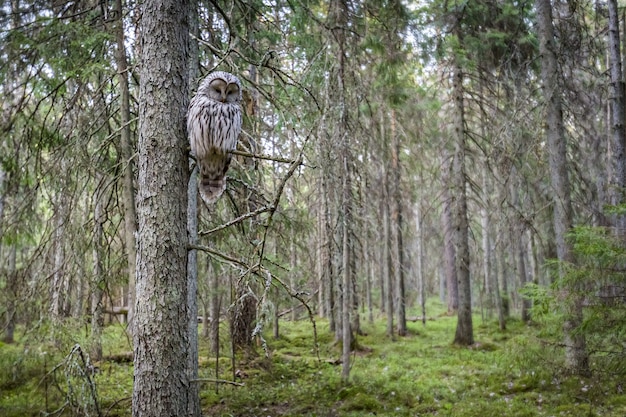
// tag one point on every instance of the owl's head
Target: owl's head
(221, 86)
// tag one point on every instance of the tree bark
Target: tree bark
(449, 251)
(127, 155)
(464, 329)
(161, 331)
(576, 357)
(387, 265)
(97, 282)
(396, 229)
(11, 294)
(618, 115)
(192, 229)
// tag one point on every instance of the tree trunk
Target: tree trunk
(576, 357)
(161, 331)
(214, 302)
(618, 115)
(419, 239)
(518, 242)
(396, 228)
(464, 329)
(127, 156)
(11, 294)
(387, 265)
(346, 263)
(449, 251)
(192, 229)
(58, 276)
(97, 282)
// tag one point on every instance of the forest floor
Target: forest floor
(510, 373)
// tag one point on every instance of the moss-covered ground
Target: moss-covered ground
(510, 373)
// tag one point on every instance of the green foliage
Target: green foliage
(421, 374)
(599, 278)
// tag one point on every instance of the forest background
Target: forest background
(391, 151)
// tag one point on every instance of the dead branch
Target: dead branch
(235, 221)
(266, 157)
(218, 381)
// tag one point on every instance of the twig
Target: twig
(116, 403)
(218, 381)
(219, 254)
(237, 220)
(267, 157)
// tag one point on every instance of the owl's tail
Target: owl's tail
(213, 176)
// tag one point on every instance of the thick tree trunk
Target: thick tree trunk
(161, 331)
(577, 360)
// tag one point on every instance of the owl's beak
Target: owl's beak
(223, 98)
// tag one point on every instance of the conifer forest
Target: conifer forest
(424, 213)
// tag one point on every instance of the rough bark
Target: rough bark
(577, 360)
(160, 331)
(464, 330)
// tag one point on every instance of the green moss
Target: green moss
(503, 374)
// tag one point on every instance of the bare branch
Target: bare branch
(218, 381)
(267, 157)
(235, 221)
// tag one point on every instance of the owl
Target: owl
(213, 125)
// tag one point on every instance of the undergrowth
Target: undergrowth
(510, 373)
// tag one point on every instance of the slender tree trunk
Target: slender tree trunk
(618, 115)
(464, 330)
(58, 276)
(577, 360)
(449, 251)
(97, 282)
(518, 242)
(214, 297)
(321, 262)
(192, 229)
(11, 294)
(127, 155)
(161, 331)
(396, 228)
(347, 285)
(487, 252)
(367, 263)
(387, 264)
(420, 259)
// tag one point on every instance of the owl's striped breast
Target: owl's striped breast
(212, 124)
